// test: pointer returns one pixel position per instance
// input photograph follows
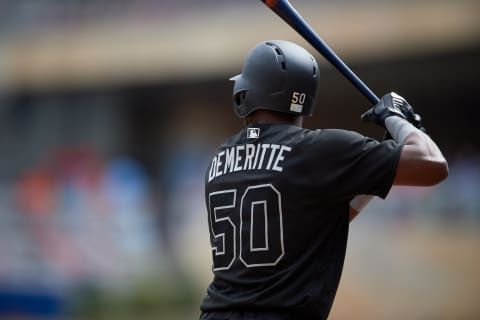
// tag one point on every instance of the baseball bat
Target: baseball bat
(289, 14)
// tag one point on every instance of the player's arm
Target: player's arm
(421, 161)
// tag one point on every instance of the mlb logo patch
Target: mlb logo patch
(253, 133)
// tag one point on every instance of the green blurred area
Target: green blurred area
(156, 298)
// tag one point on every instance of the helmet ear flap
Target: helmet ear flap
(239, 97)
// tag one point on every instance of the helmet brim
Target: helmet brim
(235, 78)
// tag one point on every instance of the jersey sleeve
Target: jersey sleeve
(357, 164)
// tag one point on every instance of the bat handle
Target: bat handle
(354, 79)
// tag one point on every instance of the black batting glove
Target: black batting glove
(389, 105)
(413, 118)
(417, 122)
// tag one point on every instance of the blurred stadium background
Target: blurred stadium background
(110, 110)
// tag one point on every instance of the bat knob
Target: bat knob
(367, 116)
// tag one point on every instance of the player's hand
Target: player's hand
(389, 105)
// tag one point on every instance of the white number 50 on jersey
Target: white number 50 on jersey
(260, 233)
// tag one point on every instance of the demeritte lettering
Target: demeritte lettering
(247, 157)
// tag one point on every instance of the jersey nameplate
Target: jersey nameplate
(248, 157)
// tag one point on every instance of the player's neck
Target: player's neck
(266, 116)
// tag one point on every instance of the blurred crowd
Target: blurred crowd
(75, 219)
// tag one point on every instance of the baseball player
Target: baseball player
(280, 197)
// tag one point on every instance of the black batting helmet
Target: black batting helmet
(277, 75)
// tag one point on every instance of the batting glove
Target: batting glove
(389, 105)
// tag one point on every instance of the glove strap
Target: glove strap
(399, 128)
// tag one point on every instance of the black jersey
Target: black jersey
(278, 198)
